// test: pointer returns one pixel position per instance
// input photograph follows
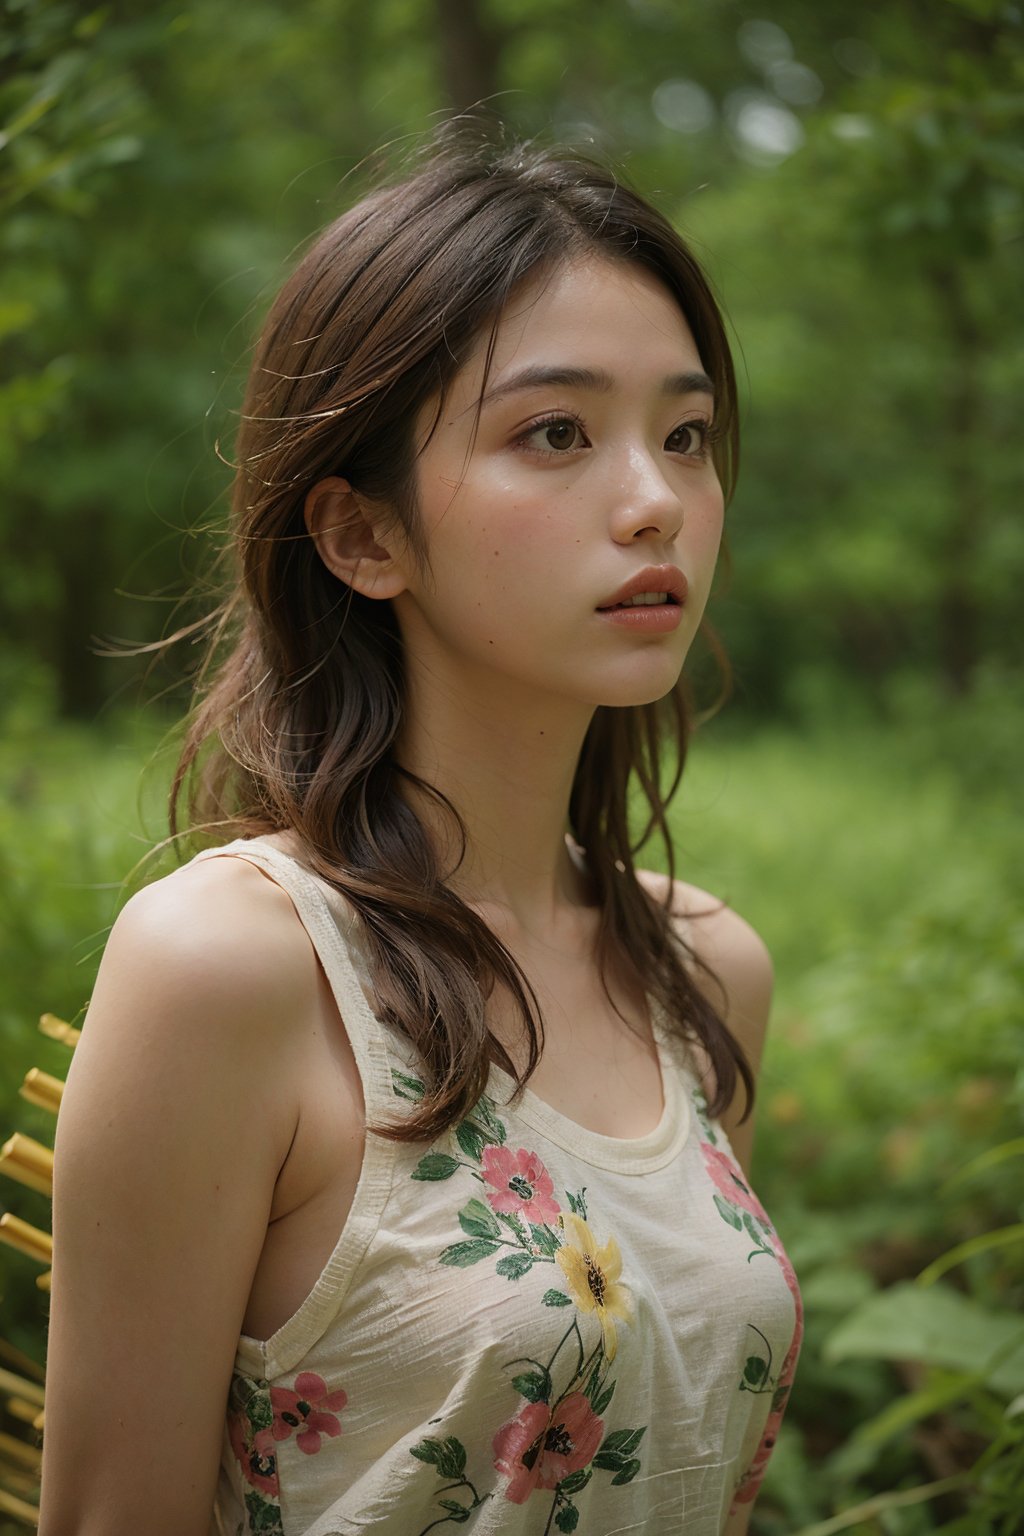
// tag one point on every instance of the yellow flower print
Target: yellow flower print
(593, 1277)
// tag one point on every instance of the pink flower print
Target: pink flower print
(728, 1180)
(541, 1445)
(522, 1185)
(306, 1409)
(255, 1454)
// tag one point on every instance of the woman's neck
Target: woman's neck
(509, 773)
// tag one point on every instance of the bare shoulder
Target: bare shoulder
(203, 978)
(719, 936)
(215, 930)
(739, 974)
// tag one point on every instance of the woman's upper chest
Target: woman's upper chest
(598, 1069)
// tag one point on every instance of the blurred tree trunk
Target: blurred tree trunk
(469, 52)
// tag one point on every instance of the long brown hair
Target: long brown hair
(300, 705)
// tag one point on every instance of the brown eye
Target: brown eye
(561, 434)
(692, 439)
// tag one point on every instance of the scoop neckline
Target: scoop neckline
(629, 1155)
(620, 1154)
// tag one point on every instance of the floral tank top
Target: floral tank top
(525, 1327)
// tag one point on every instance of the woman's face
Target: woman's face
(590, 463)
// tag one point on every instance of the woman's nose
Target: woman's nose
(646, 500)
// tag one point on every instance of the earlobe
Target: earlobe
(336, 517)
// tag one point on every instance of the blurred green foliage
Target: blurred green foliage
(854, 178)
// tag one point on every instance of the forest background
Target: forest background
(854, 179)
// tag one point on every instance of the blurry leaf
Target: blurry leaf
(938, 1326)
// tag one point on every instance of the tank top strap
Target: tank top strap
(332, 928)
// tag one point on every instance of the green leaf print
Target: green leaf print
(258, 1410)
(621, 1442)
(471, 1139)
(545, 1239)
(434, 1167)
(729, 1213)
(514, 1265)
(462, 1255)
(578, 1202)
(556, 1299)
(575, 1482)
(756, 1231)
(447, 1455)
(627, 1474)
(601, 1403)
(511, 1221)
(263, 1517)
(535, 1386)
(484, 1111)
(568, 1517)
(478, 1220)
(407, 1087)
(755, 1370)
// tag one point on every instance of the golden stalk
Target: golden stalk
(28, 1391)
(20, 1452)
(26, 1238)
(56, 1029)
(11, 1505)
(29, 1162)
(43, 1089)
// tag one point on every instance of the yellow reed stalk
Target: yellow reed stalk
(29, 1162)
(19, 1479)
(39, 1421)
(43, 1089)
(20, 1452)
(43, 1280)
(28, 1391)
(26, 1238)
(20, 1361)
(10, 1504)
(56, 1029)
(18, 1408)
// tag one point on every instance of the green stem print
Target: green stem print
(449, 1457)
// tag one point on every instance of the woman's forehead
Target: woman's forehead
(585, 323)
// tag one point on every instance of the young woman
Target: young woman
(400, 1174)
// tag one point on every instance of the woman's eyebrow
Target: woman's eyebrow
(595, 379)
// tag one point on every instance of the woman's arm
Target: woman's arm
(178, 1115)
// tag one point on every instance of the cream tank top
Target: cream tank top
(525, 1327)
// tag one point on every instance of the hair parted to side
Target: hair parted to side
(301, 701)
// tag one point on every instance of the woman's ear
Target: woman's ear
(346, 540)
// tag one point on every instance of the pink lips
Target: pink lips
(648, 618)
(653, 578)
